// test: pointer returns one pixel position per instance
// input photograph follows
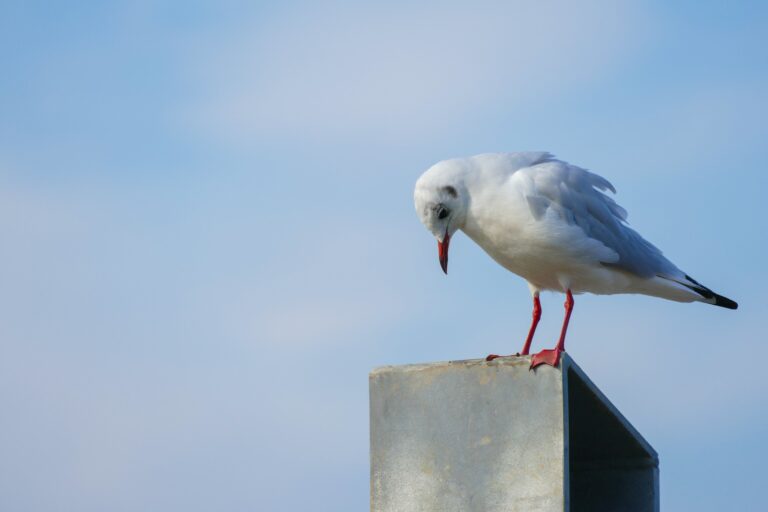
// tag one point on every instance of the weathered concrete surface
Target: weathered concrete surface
(471, 436)
(467, 436)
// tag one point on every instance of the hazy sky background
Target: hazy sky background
(208, 236)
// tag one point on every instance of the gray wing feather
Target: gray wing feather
(577, 195)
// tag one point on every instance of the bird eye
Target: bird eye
(442, 212)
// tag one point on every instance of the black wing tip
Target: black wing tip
(725, 302)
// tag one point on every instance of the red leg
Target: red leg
(552, 356)
(534, 323)
(531, 331)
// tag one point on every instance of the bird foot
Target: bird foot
(547, 356)
(491, 357)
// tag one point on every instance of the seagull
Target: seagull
(552, 224)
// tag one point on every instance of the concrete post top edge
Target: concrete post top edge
(512, 361)
(566, 363)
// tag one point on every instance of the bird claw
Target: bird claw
(546, 356)
(491, 357)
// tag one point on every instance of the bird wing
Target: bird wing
(578, 198)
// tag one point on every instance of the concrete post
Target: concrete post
(471, 436)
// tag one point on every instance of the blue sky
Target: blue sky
(209, 237)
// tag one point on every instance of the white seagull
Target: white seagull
(551, 223)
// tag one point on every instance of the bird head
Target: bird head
(441, 204)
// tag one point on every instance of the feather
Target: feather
(578, 197)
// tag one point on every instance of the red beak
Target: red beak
(442, 251)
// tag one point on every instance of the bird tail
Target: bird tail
(706, 294)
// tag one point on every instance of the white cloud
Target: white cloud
(332, 72)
